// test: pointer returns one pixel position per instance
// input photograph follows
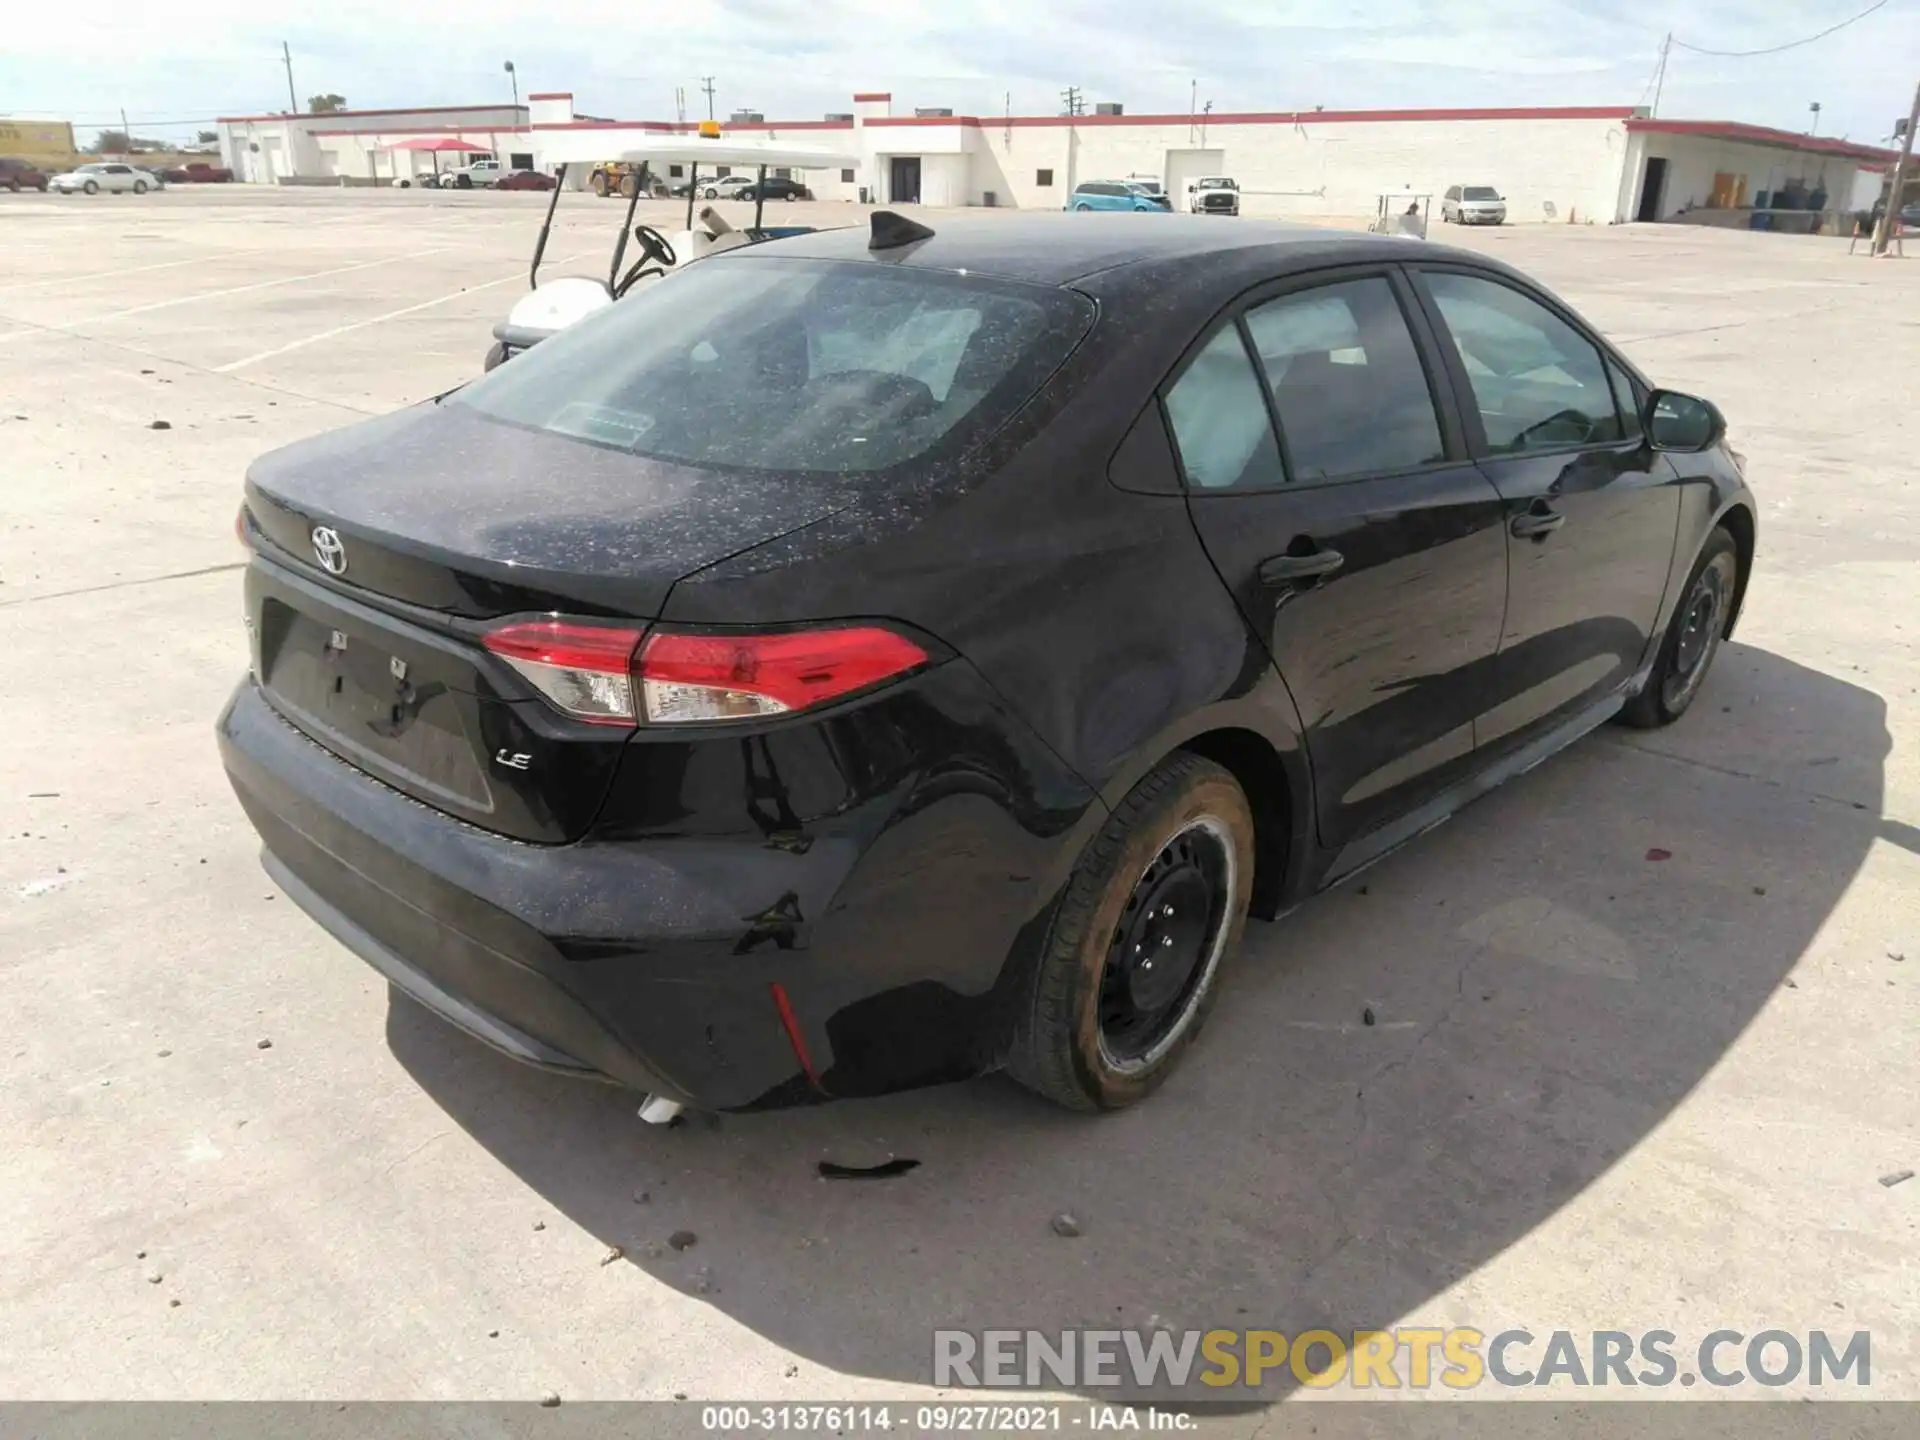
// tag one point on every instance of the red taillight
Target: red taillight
(240, 525)
(592, 672)
(694, 678)
(585, 670)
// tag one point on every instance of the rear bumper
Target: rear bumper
(892, 927)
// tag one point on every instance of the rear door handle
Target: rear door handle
(1284, 569)
(1536, 523)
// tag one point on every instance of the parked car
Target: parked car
(17, 175)
(1472, 205)
(775, 188)
(1147, 184)
(1113, 195)
(1214, 195)
(756, 693)
(525, 180)
(726, 187)
(113, 177)
(198, 172)
(485, 171)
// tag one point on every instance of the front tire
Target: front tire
(1133, 958)
(92, 187)
(1693, 636)
(139, 187)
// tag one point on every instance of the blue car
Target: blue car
(1116, 195)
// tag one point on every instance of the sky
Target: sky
(797, 59)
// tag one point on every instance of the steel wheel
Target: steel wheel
(1700, 621)
(1692, 637)
(1133, 957)
(1167, 946)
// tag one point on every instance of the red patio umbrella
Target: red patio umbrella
(439, 147)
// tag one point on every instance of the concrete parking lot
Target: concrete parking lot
(1644, 1048)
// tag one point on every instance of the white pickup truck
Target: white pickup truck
(1214, 195)
(484, 171)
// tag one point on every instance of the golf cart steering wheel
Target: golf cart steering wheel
(655, 246)
(656, 258)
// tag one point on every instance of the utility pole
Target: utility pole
(680, 104)
(514, 76)
(286, 59)
(1193, 105)
(706, 84)
(1889, 217)
(1814, 107)
(1660, 75)
(125, 134)
(1071, 98)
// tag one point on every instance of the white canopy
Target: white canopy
(587, 146)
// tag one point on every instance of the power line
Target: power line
(1790, 45)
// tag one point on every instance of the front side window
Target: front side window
(1537, 382)
(1347, 381)
(792, 365)
(1220, 422)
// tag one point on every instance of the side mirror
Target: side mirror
(1682, 423)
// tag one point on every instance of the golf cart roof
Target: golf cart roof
(587, 145)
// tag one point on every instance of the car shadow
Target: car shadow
(1406, 1076)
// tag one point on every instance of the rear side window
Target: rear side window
(1347, 381)
(1537, 382)
(1220, 422)
(807, 366)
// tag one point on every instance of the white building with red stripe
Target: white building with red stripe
(1562, 163)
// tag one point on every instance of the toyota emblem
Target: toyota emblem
(328, 550)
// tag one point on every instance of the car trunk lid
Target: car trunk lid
(386, 552)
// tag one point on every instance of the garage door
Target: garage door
(1186, 166)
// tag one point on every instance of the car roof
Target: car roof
(1056, 248)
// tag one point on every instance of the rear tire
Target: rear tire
(1693, 636)
(1168, 878)
(139, 187)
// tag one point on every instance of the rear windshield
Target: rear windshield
(1482, 192)
(766, 363)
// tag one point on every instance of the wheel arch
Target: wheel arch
(1262, 775)
(1737, 520)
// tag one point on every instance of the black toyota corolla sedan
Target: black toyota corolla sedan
(880, 657)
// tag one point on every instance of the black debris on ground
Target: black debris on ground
(1066, 1226)
(683, 1239)
(886, 1170)
(161, 425)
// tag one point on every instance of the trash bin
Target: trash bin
(863, 196)
(1760, 220)
(989, 199)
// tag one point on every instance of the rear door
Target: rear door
(1592, 511)
(1359, 540)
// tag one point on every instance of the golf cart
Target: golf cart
(563, 300)
(1402, 213)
